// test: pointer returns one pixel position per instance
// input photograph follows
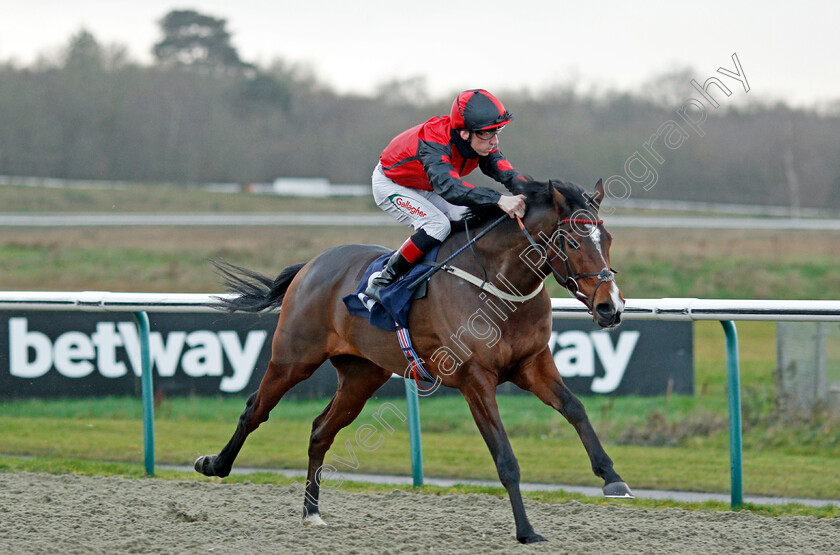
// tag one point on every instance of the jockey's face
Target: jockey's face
(482, 146)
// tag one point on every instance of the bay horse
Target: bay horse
(561, 226)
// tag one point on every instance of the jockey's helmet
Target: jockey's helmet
(476, 110)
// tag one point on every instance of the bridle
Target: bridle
(570, 278)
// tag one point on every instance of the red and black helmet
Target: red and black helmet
(477, 109)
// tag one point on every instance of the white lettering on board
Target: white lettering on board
(577, 351)
(32, 354)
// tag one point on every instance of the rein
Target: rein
(570, 279)
(428, 274)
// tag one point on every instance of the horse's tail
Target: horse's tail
(254, 291)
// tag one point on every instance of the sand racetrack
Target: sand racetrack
(41, 513)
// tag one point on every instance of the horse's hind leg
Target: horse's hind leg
(358, 380)
(278, 379)
(539, 376)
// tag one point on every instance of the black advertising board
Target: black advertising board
(77, 354)
(636, 358)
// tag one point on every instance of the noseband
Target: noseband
(570, 279)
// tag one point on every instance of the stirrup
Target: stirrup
(375, 286)
(396, 267)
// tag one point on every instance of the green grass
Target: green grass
(673, 263)
(88, 264)
(725, 277)
(154, 266)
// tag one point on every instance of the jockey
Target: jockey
(419, 178)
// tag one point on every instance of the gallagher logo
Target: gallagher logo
(405, 205)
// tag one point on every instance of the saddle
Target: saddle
(392, 313)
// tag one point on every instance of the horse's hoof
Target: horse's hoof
(618, 490)
(314, 520)
(203, 465)
(533, 537)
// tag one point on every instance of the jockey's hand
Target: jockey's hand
(513, 205)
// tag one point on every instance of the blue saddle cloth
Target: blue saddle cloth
(392, 312)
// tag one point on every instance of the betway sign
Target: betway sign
(80, 354)
(637, 358)
(76, 355)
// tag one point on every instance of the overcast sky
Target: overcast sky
(788, 50)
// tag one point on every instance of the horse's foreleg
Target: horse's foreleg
(358, 380)
(539, 376)
(278, 379)
(481, 397)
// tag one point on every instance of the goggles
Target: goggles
(487, 134)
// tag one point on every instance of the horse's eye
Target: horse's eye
(574, 244)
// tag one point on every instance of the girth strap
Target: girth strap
(414, 361)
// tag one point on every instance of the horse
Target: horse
(560, 235)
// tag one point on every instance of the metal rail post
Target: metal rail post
(414, 433)
(733, 383)
(147, 390)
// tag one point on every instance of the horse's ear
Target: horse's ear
(519, 185)
(559, 199)
(596, 199)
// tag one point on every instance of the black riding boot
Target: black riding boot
(397, 266)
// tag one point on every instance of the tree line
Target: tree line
(201, 114)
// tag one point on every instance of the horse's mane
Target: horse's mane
(539, 193)
(536, 192)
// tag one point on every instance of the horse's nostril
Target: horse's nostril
(604, 309)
